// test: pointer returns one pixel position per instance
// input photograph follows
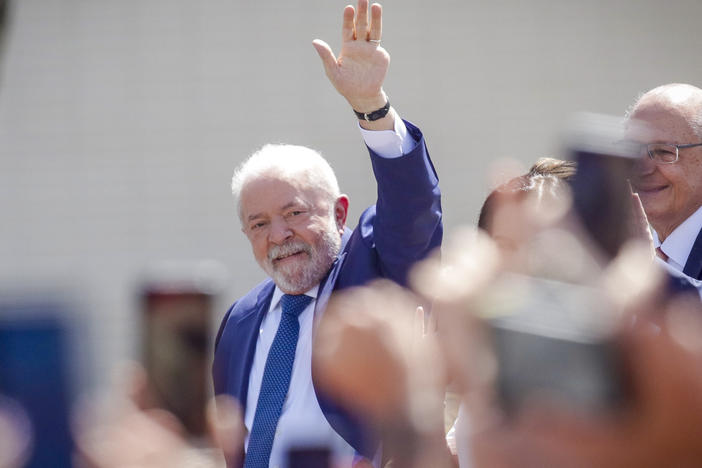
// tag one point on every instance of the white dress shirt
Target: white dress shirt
(389, 143)
(678, 244)
(302, 421)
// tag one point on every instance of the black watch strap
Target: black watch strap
(375, 115)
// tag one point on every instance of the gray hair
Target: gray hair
(286, 161)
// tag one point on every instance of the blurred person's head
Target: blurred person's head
(292, 212)
(670, 191)
(504, 215)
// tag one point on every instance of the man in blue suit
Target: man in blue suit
(294, 215)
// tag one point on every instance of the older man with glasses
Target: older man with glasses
(668, 177)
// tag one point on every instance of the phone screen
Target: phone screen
(602, 196)
(176, 349)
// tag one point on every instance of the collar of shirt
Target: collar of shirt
(678, 244)
(277, 294)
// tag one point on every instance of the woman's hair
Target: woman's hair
(544, 177)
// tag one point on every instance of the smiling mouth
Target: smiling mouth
(650, 190)
(290, 255)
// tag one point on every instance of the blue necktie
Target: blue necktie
(275, 382)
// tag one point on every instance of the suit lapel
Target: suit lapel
(245, 334)
(327, 286)
(693, 266)
(347, 425)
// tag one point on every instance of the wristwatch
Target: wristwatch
(375, 115)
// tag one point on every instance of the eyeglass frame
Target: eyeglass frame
(677, 151)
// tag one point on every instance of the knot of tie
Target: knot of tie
(294, 305)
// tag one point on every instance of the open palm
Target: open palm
(359, 71)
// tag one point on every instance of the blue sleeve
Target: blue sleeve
(407, 224)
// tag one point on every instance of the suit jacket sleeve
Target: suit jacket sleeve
(407, 223)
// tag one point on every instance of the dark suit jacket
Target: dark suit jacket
(693, 266)
(402, 228)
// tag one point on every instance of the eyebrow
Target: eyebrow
(290, 205)
(283, 208)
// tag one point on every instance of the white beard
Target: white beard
(306, 272)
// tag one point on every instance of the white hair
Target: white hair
(630, 110)
(286, 161)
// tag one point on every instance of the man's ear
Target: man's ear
(341, 210)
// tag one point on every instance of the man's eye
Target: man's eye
(256, 226)
(663, 153)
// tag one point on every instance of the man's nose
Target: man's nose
(644, 165)
(280, 231)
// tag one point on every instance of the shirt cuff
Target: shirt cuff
(389, 143)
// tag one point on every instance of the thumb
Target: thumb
(327, 56)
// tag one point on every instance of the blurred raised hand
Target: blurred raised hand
(113, 431)
(372, 354)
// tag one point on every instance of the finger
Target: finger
(325, 53)
(362, 20)
(419, 330)
(376, 27)
(347, 30)
(639, 212)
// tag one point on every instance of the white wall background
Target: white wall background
(122, 120)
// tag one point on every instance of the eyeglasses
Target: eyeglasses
(666, 153)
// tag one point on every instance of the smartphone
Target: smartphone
(602, 198)
(554, 344)
(176, 345)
